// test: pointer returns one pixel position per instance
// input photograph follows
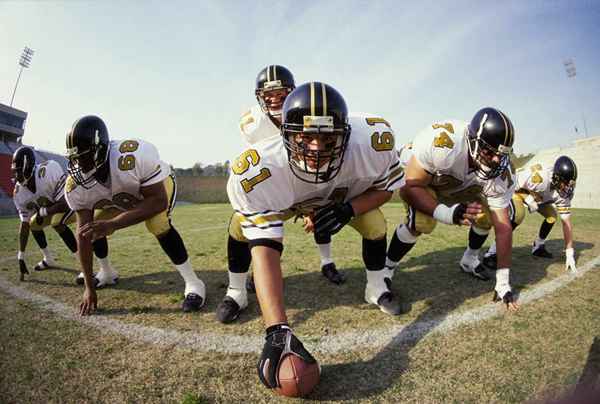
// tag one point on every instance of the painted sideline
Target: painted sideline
(344, 342)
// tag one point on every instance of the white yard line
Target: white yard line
(344, 342)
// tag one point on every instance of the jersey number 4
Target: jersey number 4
(247, 159)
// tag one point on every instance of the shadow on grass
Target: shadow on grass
(364, 379)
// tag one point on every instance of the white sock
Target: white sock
(325, 252)
(491, 250)
(193, 284)
(237, 288)
(375, 280)
(104, 264)
(46, 252)
(471, 253)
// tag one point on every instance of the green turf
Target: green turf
(466, 365)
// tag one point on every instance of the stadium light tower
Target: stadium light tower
(571, 73)
(24, 62)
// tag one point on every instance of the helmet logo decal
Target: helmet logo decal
(319, 124)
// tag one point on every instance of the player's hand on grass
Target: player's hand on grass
(279, 342)
(90, 302)
(97, 229)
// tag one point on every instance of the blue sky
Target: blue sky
(180, 73)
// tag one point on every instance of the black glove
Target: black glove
(332, 218)
(23, 269)
(459, 212)
(279, 342)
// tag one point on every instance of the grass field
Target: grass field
(49, 356)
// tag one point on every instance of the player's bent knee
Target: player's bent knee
(235, 228)
(159, 225)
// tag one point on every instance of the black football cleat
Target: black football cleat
(250, 284)
(79, 280)
(192, 302)
(228, 310)
(490, 262)
(40, 266)
(541, 251)
(330, 272)
(391, 304)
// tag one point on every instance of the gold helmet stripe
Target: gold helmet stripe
(312, 98)
(274, 72)
(269, 73)
(506, 129)
(324, 99)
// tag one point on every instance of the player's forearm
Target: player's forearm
(23, 236)
(84, 250)
(568, 232)
(503, 230)
(418, 197)
(269, 284)
(369, 200)
(144, 210)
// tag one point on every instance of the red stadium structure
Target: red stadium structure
(12, 129)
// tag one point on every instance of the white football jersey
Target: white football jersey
(443, 151)
(263, 188)
(255, 126)
(49, 188)
(536, 180)
(134, 163)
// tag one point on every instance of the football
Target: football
(297, 377)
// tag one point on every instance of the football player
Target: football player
(40, 201)
(341, 169)
(273, 84)
(549, 192)
(459, 173)
(116, 184)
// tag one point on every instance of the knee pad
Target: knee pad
(173, 246)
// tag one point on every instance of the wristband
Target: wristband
(444, 214)
(502, 282)
(570, 253)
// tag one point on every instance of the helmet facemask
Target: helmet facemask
(23, 166)
(271, 97)
(83, 166)
(316, 149)
(565, 187)
(491, 162)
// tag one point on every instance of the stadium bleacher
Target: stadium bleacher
(585, 153)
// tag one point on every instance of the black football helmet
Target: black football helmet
(273, 84)
(23, 164)
(88, 147)
(490, 136)
(315, 131)
(564, 176)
